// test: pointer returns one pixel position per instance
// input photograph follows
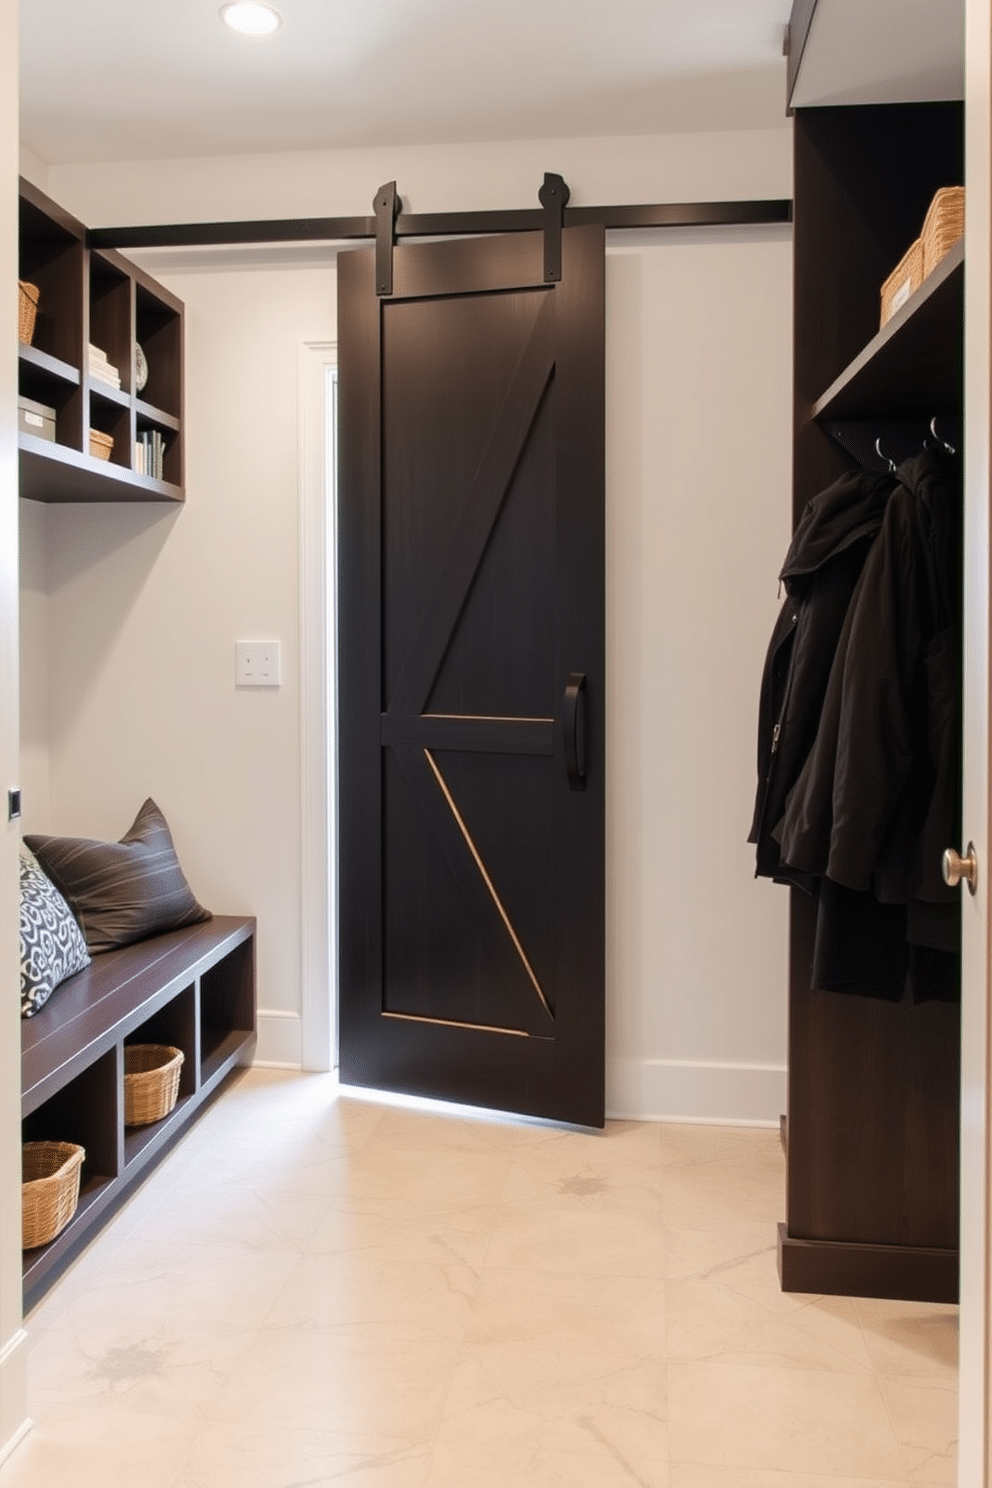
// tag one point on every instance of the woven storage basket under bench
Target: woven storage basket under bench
(49, 1189)
(151, 1082)
(192, 990)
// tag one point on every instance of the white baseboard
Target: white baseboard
(280, 1040)
(673, 1090)
(14, 1420)
(636, 1089)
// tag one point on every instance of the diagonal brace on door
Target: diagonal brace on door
(527, 1007)
(478, 517)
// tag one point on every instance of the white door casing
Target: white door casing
(973, 1447)
(318, 828)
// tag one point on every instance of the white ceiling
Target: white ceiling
(133, 79)
(148, 79)
(883, 51)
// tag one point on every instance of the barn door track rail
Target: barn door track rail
(390, 223)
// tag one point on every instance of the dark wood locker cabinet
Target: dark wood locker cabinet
(874, 1087)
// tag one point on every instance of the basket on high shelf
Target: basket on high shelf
(905, 280)
(101, 444)
(151, 1082)
(942, 226)
(49, 1189)
(28, 296)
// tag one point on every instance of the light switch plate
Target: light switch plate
(257, 663)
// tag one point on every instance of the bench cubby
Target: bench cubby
(193, 989)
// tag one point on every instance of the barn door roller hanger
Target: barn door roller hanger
(553, 197)
(386, 207)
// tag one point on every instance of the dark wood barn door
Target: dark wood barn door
(470, 674)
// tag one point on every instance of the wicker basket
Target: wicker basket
(49, 1189)
(942, 226)
(151, 1082)
(101, 444)
(906, 277)
(28, 296)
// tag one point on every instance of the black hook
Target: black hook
(942, 442)
(883, 456)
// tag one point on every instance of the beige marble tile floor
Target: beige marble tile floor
(316, 1289)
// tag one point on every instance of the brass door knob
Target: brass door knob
(957, 868)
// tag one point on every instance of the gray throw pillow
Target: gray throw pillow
(52, 944)
(122, 891)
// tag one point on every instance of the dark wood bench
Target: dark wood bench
(192, 988)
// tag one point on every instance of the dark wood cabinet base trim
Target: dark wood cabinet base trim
(907, 1273)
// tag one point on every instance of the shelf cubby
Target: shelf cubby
(226, 1011)
(52, 256)
(80, 1112)
(159, 332)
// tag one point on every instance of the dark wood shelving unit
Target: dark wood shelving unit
(193, 989)
(913, 365)
(96, 296)
(874, 1086)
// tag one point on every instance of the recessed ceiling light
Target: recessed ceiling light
(251, 18)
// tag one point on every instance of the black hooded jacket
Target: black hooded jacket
(878, 797)
(820, 573)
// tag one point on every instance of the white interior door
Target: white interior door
(318, 764)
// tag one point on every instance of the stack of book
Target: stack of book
(101, 369)
(149, 451)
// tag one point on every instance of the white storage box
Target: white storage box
(35, 418)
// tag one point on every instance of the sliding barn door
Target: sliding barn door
(470, 674)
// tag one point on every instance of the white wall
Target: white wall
(34, 659)
(698, 378)
(13, 1351)
(143, 606)
(430, 178)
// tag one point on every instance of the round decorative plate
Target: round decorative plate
(140, 368)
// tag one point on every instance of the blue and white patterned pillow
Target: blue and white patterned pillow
(52, 944)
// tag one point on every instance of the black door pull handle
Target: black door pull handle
(575, 730)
